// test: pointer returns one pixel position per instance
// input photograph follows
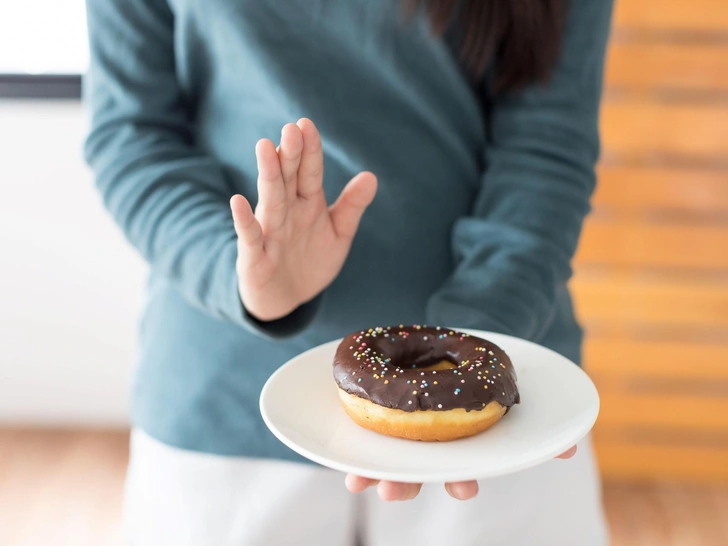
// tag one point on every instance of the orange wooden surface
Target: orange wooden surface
(671, 67)
(662, 359)
(669, 410)
(637, 189)
(701, 16)
(632, 459)
(643, 243)
(639, 128)
(651, 282)
(629, 302)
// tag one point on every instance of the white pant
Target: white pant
(184, 498)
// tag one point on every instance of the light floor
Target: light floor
(64, 488)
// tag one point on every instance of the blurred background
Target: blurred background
(651, 284)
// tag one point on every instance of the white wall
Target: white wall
(70, 286)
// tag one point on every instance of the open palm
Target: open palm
(294, 245)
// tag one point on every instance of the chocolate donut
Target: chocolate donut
(424, 383)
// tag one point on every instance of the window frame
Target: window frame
(40, 86)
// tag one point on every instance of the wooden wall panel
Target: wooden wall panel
(641, 128)
(699, 16)
(640, 460)
(667, 67)
(651, 282)
(661, 359)
(649, 244)
(672, 409)
(689, 191)
(625, 303)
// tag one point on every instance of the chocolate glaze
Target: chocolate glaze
(386, 366)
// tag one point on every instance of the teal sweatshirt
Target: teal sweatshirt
(480, 204)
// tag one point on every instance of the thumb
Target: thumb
(348, 209)
(250, 234)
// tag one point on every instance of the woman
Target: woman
(479, 120)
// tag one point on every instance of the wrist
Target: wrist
(289, 324)
(266, 308)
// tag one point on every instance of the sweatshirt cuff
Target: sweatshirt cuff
(230, 306)
(290, 325)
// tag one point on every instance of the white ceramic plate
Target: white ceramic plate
(559, 405)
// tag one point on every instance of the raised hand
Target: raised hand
(294, 245)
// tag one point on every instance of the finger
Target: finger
(397, 491)
(357, 484)
(311, 170)
(250, 235)
(568, 454)
(289, 153)
(462, 490)
(348, 209)
(271, 209)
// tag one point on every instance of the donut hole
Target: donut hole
(441, 365)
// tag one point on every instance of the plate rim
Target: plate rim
(429, 477)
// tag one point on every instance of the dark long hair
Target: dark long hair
(521, 37)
